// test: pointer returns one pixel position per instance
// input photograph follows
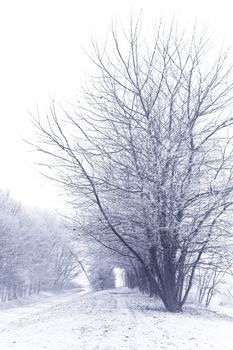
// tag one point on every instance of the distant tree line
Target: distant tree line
(34, 256)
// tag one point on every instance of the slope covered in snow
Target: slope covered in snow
(114, 319)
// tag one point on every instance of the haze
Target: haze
(42, 56)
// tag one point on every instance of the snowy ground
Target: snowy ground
(117, 319)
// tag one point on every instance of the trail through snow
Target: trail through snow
(35, 304)
(112, 320)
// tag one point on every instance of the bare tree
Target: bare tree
(146, 157)
(214, 270)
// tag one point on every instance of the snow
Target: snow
(111, 320)
(21, 308)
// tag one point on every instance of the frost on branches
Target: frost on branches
(147, 156)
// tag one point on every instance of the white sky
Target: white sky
(41, 55)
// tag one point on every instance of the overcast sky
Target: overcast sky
(41, 55)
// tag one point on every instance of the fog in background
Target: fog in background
(42, 57)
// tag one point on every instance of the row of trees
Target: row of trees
(147, 156)
(33, 253)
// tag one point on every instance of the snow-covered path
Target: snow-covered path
(115, 320)
(40, 304)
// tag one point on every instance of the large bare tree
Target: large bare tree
(146, 155)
